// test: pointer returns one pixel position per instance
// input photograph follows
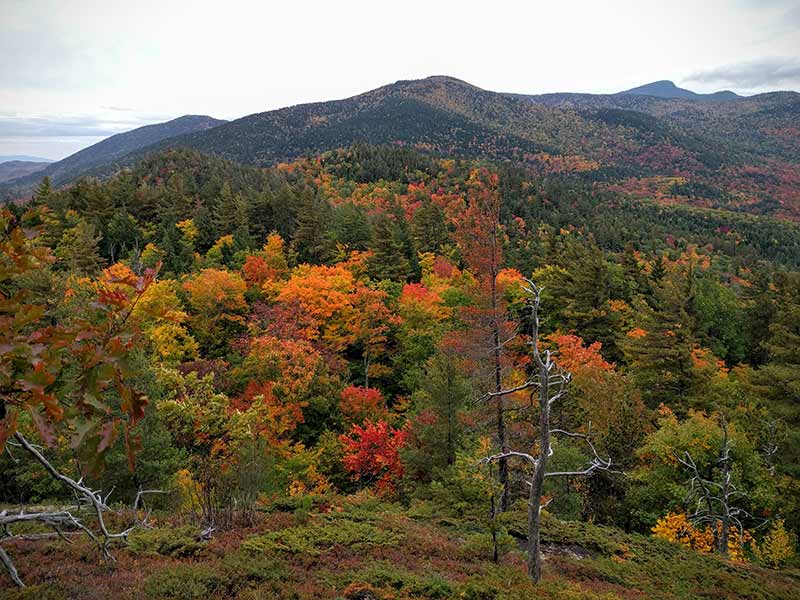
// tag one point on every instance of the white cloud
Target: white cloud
(770, 73)
(234, 58)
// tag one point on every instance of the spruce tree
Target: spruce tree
(388, 259)
(310, 242)
(78, 250)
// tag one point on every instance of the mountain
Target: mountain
(441, 114)
(110, 150)
(14, 169)
(24, 158)
(667, 89)
(742, 155)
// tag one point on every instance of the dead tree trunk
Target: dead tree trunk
(550, 384)
(502, 433)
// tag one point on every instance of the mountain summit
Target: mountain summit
(667, 89)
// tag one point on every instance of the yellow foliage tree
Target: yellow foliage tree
(776, 548)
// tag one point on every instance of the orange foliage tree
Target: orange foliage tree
(360, 403)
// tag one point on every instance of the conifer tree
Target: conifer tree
(429, 228)
(78, 250)
(310, 241)
(659, 348)
(389, 253)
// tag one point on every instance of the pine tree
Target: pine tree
(782, 372)
(659, 349)
(310, 242)
(429, 228)
(78, 249)
(582, 287)
(43, 191)
(441, 399)
(388, 259)
(351, 227)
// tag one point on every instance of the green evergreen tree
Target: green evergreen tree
(439, 433)
(351, 227)
(78, 250)
(310, 242)
(388, 259)
(659, 350)
(429, 228)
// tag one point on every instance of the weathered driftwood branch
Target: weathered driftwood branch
(58, 520)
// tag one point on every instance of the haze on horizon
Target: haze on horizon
(73, 72)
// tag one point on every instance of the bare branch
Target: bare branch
(528, 457)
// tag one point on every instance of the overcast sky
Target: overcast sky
(75, 71)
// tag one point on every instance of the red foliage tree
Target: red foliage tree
(372, 454)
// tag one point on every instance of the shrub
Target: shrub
(362, 591)
(181, 542)
(432, 586)
(35, 592)
(321, 537)
(481, 545)
(386, 580)
(776, 548)
(241, 568)
(184, 582)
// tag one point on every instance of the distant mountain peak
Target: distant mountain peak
(667, 89)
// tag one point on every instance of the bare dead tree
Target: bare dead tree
(715, 498)
(67, 523)
(549, 383)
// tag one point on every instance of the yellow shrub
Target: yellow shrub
(676, 527)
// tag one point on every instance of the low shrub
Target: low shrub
(243, 568)
(385, 580)
(179, 543)
(185, 582)
(35, 592)
(480, 546)
(320, 537)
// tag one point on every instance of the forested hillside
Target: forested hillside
(360, 374)
(735, 153)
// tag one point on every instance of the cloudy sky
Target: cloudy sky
(75, 71)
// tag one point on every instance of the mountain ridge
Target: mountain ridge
(734, 154)
(24, 158)
(111, 149)
(14, 169)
